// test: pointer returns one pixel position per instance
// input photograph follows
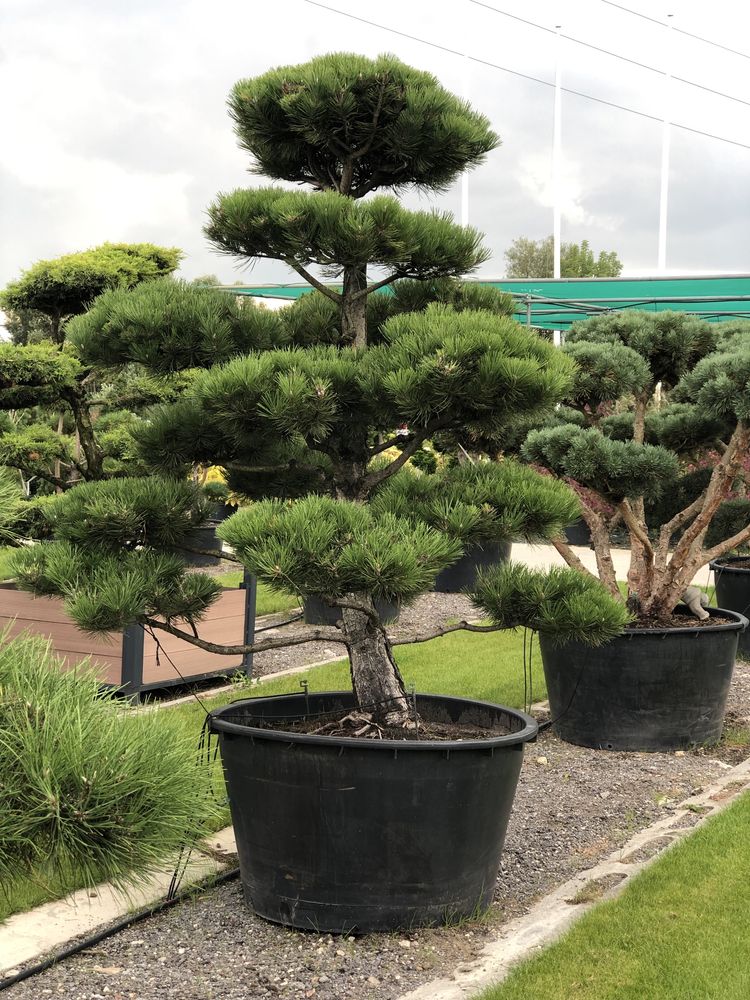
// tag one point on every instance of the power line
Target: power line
(525, 76)
(681, 31)
(614, 55)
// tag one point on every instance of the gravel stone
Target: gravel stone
(212, 947)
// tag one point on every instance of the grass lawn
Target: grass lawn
(678, 932)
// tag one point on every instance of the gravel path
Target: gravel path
(573, 807)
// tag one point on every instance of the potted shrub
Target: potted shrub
(663, 683)
(367, 809)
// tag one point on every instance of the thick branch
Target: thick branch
(311, 279)
(380, 475)
(323, 634)
(378, 284)
(727, 545)
(668, 529)
(435, 633)
(571, 558)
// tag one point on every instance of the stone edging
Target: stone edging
(525, 936)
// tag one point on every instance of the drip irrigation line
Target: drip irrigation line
(526, 76)
(121, 925)
(681, 31)
(614, 55)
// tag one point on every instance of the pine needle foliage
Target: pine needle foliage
(335, 233)
(330, 548)
(482, 502)
(560, 602)
(124, 514)
(85, 787)
(670, 343)
(354, 124)
(170, 326)
(35, 375)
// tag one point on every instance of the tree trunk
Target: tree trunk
(378, 686)
(354, 307)
(85, 433)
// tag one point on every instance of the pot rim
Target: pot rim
(525, 735)
(739, 624)
(724, 563)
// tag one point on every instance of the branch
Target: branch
(324, 634)
(634, 527)
(668, 529)
(391, 443)
(571, 558)
(311, 279)
(374, 478)
(219, 554)
(378, 284)
(435, 633)
(729, 543)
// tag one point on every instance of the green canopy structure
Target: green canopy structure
(553, 304)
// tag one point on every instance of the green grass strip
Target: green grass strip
(679, 931)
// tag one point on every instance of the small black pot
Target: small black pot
(317, 612)
(733, 591)
(462, 574)
(339, 835)
(221, 511)
(648, 689)
(578, 533)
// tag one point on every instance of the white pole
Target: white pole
(465, 174)
(557, 169)
(556, 160)
(666, 135)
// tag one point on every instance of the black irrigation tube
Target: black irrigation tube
(121, 925)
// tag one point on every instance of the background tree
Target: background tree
(316, 422)
(527, 258)
(65, 286)
(635, 455)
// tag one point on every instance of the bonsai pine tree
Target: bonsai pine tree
(623, 452)
(307, 430)
(71, 419)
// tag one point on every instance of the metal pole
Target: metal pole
(528, 311)
(556, 158)
(465, 174)
(666, 135)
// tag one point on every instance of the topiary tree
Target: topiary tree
(308, 429)
(64, 287)
(631, 455)
(95, 396)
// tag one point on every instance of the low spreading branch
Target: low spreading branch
(323, 634)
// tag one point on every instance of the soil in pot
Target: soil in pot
(656, 689)
(318, 612)
(340, 835)
(732, 579)
(462, 574)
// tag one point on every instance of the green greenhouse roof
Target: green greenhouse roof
(555, 304)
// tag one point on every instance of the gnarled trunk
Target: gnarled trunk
(378, 686)
(354, 307)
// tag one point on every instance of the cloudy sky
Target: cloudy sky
(114, 122)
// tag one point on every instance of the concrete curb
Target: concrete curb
(553, 914)
(51, 926)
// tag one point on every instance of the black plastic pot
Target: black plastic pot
(733, 591)
(317, 612)
(648, 689)
(341, 835)
(221, 511)
(578, 533)
(463, 573)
